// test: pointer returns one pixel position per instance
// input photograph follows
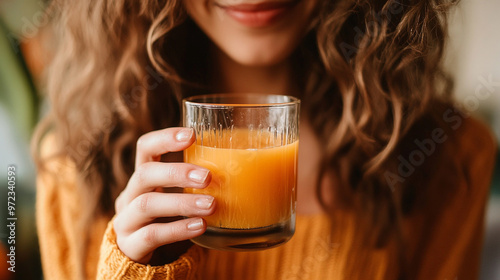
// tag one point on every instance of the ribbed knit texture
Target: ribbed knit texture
(315, 252)
(115, 265)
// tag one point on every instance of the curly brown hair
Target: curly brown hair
(369, 69)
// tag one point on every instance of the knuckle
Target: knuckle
(173, 171)
(185, 206)
(142, 168)
(141, 173)
(118, 204)
(142, 203)
(117, 225)
(150, 235)
(141, 142)
(121, 242)
(175, 232)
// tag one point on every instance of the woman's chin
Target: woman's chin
(257, 58)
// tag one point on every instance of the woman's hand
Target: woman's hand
(139, 205)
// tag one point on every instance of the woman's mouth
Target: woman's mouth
(258, 14)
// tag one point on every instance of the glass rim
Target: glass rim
(191, 100)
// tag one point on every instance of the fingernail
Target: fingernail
(198, 176)
(195, 225)
(184, 134)
(204, 202)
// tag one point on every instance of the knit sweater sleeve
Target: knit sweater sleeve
(113, 264)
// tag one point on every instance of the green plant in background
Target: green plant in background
(17, 91)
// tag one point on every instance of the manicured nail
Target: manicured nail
(184, 134)
(204, 202)
(198, 176)
(195, 225)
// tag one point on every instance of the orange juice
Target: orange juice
(253, 178)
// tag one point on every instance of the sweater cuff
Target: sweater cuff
(113, 264)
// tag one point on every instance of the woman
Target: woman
(392, 179)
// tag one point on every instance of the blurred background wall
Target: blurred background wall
(473, 58)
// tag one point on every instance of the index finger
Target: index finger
(152, 145)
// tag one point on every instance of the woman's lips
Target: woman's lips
(259, 14)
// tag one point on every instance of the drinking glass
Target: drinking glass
(249, 142)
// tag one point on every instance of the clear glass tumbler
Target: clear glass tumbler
(249, 142)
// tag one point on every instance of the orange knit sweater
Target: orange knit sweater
(442, 240)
